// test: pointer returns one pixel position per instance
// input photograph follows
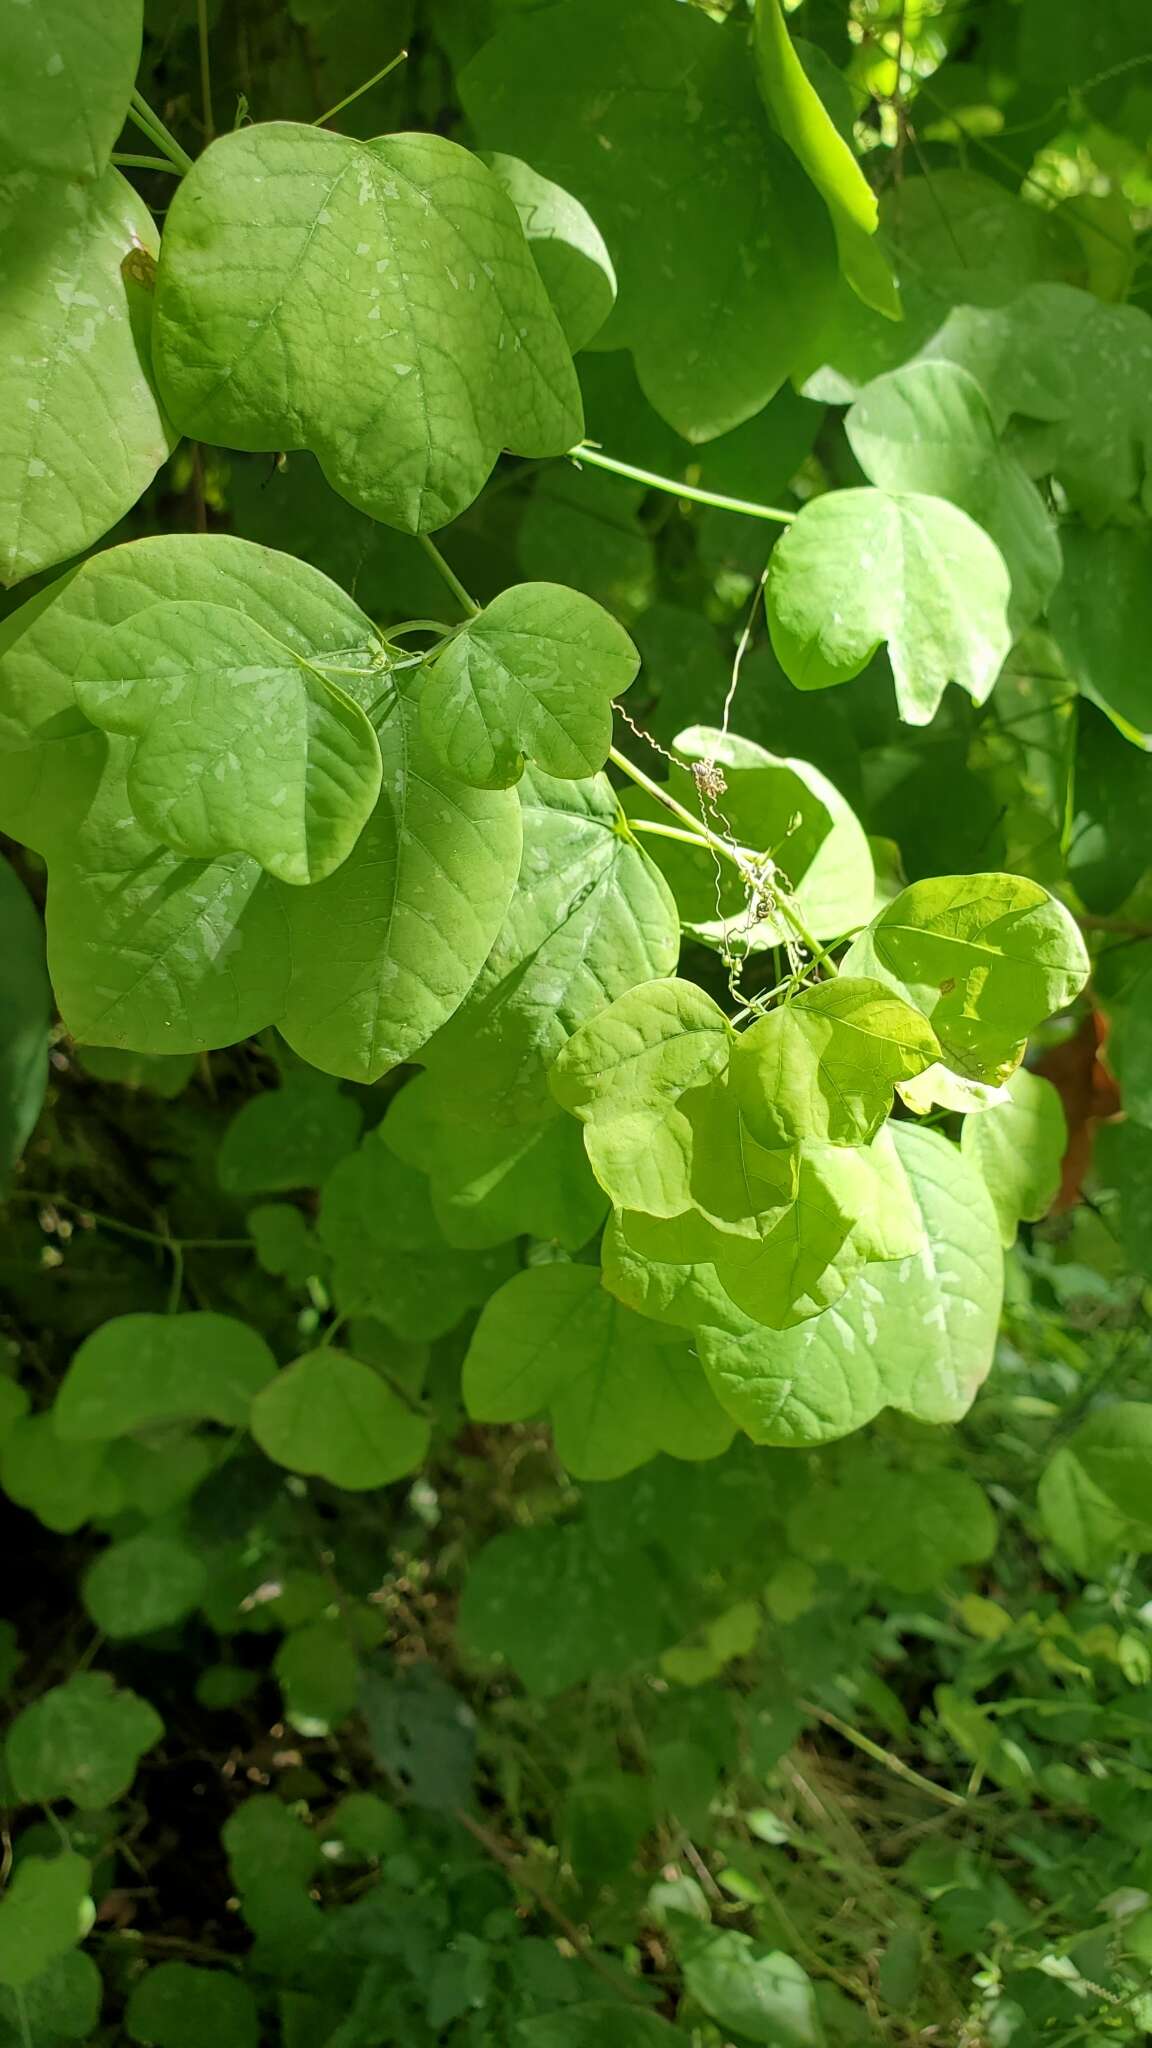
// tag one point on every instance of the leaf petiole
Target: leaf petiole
(145, 163)
(377, 76)
(153, 127)
(449, 575)
(585, 452)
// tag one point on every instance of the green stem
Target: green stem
(698, 496)
(741, 857)
(890, 1762)
(205, 69)
(700, 833)
(154, 129)
(189, 1244)
(449, 575)
(366, 87)
(145, 163)
(658, 831)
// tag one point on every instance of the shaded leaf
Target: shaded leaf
(330, 1416)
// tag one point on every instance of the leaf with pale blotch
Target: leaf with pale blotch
(243, 744)
(568, 249)
(814, 139)
(986, 958)
(375, 302)
(917, 1334)
(928, 428)
(824, 1066)
(618, 1388)
(329, 1416)
(81, 430)
(776, 807)
(531, 677)
(1019, 1146)
(136, 1371)
(859, 569)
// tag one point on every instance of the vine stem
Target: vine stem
(191, 1244)
(400, 58)
(699, 835)
(449, 575)
(145, 163)
(890, 1762)
(585, 452)
(153, 127)
(205, 70)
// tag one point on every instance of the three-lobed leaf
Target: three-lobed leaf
(825, 1065)
(375, 302)
(531, 677)
(862, 568)
(243, 743)
(81, 429)
(985, 958)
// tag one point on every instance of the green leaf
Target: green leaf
(724, 279)
(69, 70)
(624, 1074)
(63, 1484)
(178, 2006)
(782, 809)
(567, 248)
(81, 1741)
(531, 677)
(139, 1370)
(388, 948)
(318, 1672)
(329, 1416)
(490, 1181)
(858, 569)
(284, 1243)
(163, 1074)
(985, 958)
(845, 1207)
(44, 1912)
(1095, 1492)
(619, 1389)
(243, 743)
(558, 1609)
(931, 1522)
(824, 1066)
(165, 954)
(581, 525)
(1070, 368)
(61, 2004)
(289, 1137)
(374, 302)
(144, 1583)
(388, 1255)
(81, 430)
(591, 917)
(1019, 1146)
(598, 2025)
(762, 1995)
(813, 138)
(917, 1335)
(25, 1017)
(928, 428)
(1101, 619)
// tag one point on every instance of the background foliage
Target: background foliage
(539, 1519)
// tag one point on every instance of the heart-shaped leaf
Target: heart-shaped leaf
(375, 302)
